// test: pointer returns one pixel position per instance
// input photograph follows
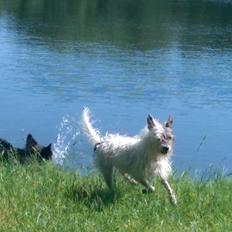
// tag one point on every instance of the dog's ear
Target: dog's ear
(169, 122)
(46, 152)
(150, 122)
(49, 147)
(30, 143)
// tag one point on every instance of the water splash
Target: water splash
(67, 135)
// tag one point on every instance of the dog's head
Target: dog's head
(161, 133)
(33, 148)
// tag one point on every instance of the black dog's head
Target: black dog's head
(33, 148)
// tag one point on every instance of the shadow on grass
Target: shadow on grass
(93, 197)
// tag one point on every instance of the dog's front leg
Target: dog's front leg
(170, 191)
(129, 178)
(147, 185)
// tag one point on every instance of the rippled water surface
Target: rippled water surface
(122, 59)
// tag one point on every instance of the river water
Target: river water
(122, 59)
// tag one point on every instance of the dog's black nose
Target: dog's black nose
(164, 150)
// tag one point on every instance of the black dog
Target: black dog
(31, 151)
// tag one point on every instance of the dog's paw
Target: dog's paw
(144, 191)
(174, 201)
(148, 190)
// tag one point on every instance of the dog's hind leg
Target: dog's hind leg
(169, 190)
(107, 173)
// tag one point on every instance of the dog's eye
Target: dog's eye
(169, 137)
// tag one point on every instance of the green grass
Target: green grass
(45, 198)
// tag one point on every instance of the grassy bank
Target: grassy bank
(44, 198)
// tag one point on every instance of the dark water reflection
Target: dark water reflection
(144, 25)
(124, 59)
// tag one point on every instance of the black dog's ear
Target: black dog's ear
(169, 122)
(30, 143)
(46, 152)
(49, 147)
(150, 122)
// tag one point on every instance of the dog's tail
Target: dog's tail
(92, 134)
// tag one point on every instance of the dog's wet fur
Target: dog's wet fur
(32, 151)
(138, 158)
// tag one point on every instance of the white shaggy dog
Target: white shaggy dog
(137, 158)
